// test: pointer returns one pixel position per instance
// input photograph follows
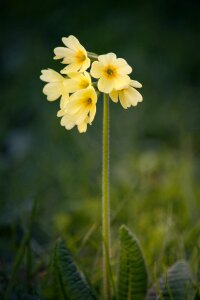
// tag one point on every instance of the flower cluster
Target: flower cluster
(78, 93)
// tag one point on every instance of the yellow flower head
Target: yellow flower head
(128, 95)
(80, 109)
(111, 71)
(74, 55)
(78, 81)
(56, 86)
(68, 122)
(75, 88)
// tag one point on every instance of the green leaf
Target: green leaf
(133, 278)
(72, 284)
(176, 284)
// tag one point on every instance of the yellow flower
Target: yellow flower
(128, 95)
(78, 81)
(68, 122)
(56, 86)
(74, 54)
(80, 109)
(111, 71)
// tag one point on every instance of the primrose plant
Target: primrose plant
(78, 86)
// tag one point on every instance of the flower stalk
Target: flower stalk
(78, 86)
(92, 56)
(106, 201)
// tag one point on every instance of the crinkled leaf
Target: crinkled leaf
(176, 284)
(133, 278)
(72, 284)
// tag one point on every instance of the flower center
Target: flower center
(84, 84)
(80, 56)
(110, 72)
(88, 101)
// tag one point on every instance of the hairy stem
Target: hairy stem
(106, 201)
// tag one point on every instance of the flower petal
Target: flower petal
(52, 91)
(61, 52)
(67, 121)
(123, 67)
(134, 96)
(81, 116)
(105, 85)
(108, 58)
(64, 99)
(87, 76)
(72, 85)
(74, 67)
(123, 100)
(92, 113)
(71, 42)
(50, 75)
(121, 82)
(135, 84)
(114, 96)
(74, 75)
(82, 127)
(85, 65)
(63, 102)
(97, 69)
(73, 106)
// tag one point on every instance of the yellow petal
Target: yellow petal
(88, 77)
(52, 90)
(114, 96)
(85, 65)
(75, 75)
(78, 81)
(68, 122)
(61, 52)
(134, 96)
(123, 100)
(74, 67)
(71, 42)
(121, 82)
(97, 69)
(72, 85)
(105, 85)
(64, 100)
(73, 106)
(61, 113)
(135, 84)
(50, 75)
(92, 113)
(82, 127)
(107, 58)
(123, 67)
(81, 116)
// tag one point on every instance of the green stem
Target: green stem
(106, 201)
(92, 56)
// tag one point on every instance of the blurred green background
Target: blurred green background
(155, 147)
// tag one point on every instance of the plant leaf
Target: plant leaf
(133, 278)
(72, 283)
(175, 285)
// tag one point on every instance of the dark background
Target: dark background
(154, 147)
